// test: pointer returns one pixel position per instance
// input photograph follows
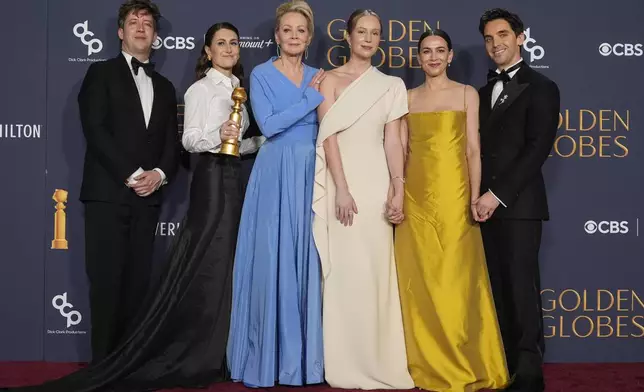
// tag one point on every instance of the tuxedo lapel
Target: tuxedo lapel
(131, 93)
(510, 93)
(156, 94)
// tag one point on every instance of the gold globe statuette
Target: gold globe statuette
(60, 220)
(231, 146)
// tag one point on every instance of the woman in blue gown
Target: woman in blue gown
(276, 322)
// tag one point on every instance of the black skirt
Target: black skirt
(179, 338)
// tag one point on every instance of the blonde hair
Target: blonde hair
(299, 6)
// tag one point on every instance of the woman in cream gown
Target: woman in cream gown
(359, 159)
(451, 330)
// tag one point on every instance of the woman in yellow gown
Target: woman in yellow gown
(451, 331)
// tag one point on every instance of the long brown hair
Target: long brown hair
(203, 64)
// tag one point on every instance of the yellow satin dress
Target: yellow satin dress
(451, 331)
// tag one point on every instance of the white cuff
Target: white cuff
(503, 204)
(131, 180)
(163, 177)
(251, 145)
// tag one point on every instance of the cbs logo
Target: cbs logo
(606, 227)
(607, 49)
(174, 43)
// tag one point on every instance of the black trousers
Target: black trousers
(512, 253)
(118, 260)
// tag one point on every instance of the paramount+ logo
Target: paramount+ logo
(607, 227)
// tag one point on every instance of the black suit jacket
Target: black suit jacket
(516, 138)
(118, 142)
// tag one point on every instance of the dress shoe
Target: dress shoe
(526, 385)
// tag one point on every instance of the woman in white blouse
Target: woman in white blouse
(208, 101)
(201, 259)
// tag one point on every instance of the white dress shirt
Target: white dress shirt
(496, 92)
(498, 86)
(208, 106)
(146, 95)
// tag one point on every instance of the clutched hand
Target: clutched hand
(229, 131)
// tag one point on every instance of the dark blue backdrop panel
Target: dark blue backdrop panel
(75, 39)
(23, 136)
(591, 268)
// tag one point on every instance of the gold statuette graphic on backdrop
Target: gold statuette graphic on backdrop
(60, 220)
(231, 146)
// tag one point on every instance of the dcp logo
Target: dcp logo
(94, 45)
(536, 52)
(606, 227)
(620, 50)
(60, 303)
(174, 43)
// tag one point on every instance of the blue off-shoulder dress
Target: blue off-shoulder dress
(276, 321)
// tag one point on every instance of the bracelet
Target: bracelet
(399, 178)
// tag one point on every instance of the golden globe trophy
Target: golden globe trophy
(231, 146)
(60, 220)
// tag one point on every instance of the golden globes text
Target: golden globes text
(399, 43)
(592, 133)
(600, 313)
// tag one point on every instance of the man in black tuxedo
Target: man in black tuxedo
(129, 117)
(519, 112)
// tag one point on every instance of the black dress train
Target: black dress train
(180, 338)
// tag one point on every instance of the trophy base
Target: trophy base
(59, 244)
(229, 149)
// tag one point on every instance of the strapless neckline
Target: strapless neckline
(438, 112)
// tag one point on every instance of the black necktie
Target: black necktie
(147, 67)
(504, 76)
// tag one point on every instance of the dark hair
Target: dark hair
(203, 64)
(435, 33)
(136, 6)
(356, 15)
(499, 13)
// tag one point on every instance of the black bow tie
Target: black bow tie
(504, 76)
(147, 67)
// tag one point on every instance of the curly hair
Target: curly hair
(513, 20)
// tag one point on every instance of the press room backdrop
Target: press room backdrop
(592, 264)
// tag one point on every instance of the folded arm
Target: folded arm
(198, 134)
(271, 122)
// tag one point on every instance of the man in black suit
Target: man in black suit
(129, 117)
(519, 112)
